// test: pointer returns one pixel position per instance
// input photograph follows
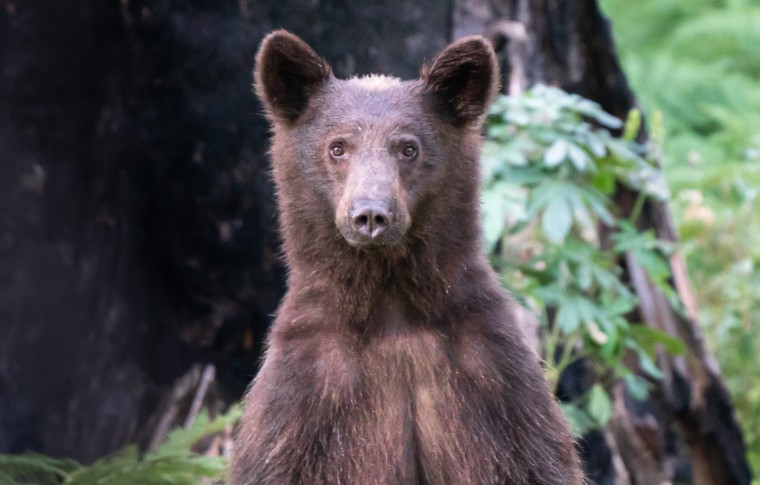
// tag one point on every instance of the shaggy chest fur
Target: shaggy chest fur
(400, 400)
(393, 403)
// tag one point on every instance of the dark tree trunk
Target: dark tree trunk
(136, 215)
(136, 211)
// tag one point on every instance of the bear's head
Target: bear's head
(371, 162)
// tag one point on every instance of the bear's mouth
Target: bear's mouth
(390, 236)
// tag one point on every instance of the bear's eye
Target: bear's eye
(409, 150)
(337, 149)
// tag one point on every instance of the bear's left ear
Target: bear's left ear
(288, 72)
(464, 79)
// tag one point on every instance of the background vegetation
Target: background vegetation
(558, 239)
(698, 63)
(174, 462)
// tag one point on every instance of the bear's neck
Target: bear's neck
(426, 269)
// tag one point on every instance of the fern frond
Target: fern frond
(181, 439)
(35, 468)
(174, 463)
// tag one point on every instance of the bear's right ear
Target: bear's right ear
(288, 72)
(463, 79)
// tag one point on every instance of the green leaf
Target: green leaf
(181, 439)
(579, 421)
(568, 317)
(524, 176)
(599, 405)
(595, 143)
(648, 337)
(491, 159)
(498, 201)
(587, 309)
(638, 387)
(579, 158)
(645, 361)
(583, 218)
(540, 196)
(604, 182)
(583, 277)
(492, 215)
(598, 204)
(653, 263)
(632, 125)
(550, 294)
(596, 112)
(557, 220)
(619, 305)
(556, 153)
(648, 365)
(622, 151)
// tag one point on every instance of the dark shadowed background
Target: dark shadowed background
(137, 225)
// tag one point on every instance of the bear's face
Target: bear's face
(374, 148)
(370, 138)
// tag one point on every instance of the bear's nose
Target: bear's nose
(370, 218)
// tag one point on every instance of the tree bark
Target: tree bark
(137, 224)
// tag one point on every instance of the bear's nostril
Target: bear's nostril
(370, 218)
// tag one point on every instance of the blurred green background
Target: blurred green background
(698, 63)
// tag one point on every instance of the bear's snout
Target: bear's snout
(372, 211)
(369, 222)
(370, 218)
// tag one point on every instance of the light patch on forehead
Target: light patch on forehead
(375, 82)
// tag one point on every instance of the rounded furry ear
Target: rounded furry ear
(287, 73)
(464, 79)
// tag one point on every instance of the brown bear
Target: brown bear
(394, 357)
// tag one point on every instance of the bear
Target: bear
(394, 357)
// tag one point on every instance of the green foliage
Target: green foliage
(698, 62)
(550, 164)
(174, 462)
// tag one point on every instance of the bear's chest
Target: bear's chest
(410, 368)
(402, 351)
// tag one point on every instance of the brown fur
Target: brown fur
(393, 360)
